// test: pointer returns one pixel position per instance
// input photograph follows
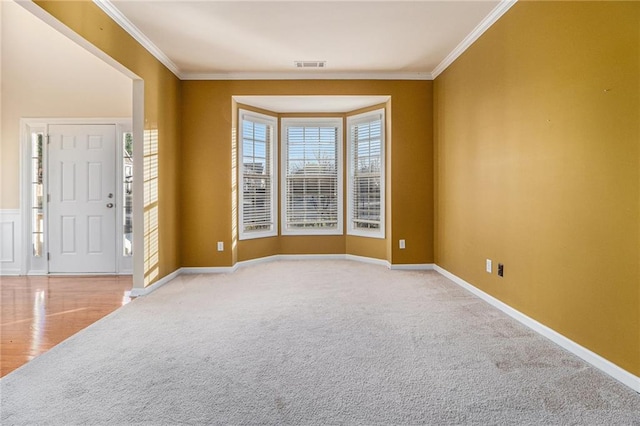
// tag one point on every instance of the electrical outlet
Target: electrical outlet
(500, 270)
(402, 244)
(489, 266)
(220, 246)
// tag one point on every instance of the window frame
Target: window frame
(353, 121)
(338, 123)
(267, 120)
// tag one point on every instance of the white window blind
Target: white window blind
(312, 176)
(365, 183)
(257, 172)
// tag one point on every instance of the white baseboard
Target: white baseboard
(189, 270)
(364, 259)
(137, 291)
(9, 272)
(412, 267)
(307, 257)
(592, 358)
(266, 259)
(207, 270)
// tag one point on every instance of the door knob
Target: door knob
(110, 205)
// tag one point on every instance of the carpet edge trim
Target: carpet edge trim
(618, 373)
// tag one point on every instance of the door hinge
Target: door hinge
(47, 136)
(48, 198)
(48, 256)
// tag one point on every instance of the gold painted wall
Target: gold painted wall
(162, 93)
(207, 128)
(538, 167)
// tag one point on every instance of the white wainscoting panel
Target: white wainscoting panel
(10, 242)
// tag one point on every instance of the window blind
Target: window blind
(257, 177)
(311, 188)
(366, 174)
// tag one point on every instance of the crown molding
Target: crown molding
(115, 14)
(305, 75)
(109, 8)
(483, 26)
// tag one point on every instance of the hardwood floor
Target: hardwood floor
(40, 312)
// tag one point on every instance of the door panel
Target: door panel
(82, 211)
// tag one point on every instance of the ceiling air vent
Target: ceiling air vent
(310, 64)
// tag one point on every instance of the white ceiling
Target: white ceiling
(262, 39)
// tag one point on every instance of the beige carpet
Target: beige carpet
(312, 343)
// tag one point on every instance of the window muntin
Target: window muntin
(257, 171)
(312, 176)
(365, 184)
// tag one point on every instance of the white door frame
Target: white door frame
(138, 133)
(39, 265)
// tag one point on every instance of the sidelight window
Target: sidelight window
(37, 193)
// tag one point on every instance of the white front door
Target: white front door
(82, 206)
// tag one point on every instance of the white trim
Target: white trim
(82, 274)
(114, 13)
(30, 265)
(474, 35)
(354, 120)
(309, 257)
(137, 292)
(137, 90)
(35, 121)
(207, 270)
(124, 263)
(256, 261)
(592, 358)
(305, 75)
(138, 128)
(370, 260)
(276, 257)
(267, 259)
(272, 122)
(412, 266)
(285, 123)
(10, 242)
